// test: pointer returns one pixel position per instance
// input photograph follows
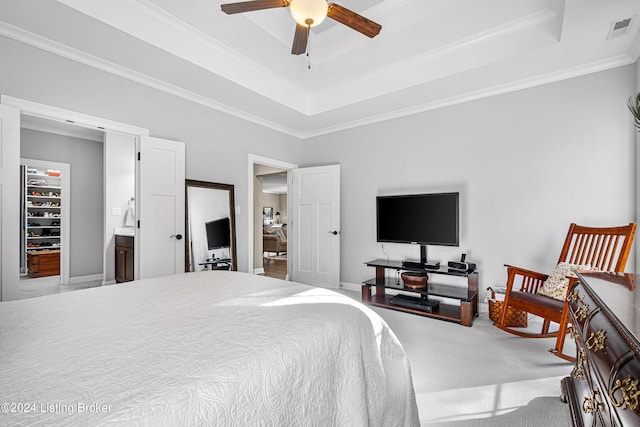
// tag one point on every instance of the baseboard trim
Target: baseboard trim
(258, 271)
(351, 286)
(89, 278)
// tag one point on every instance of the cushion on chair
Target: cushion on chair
(556, 285)
(538, 299)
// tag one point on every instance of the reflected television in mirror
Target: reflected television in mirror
(218, 234)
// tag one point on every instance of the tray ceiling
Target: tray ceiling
(429, 54)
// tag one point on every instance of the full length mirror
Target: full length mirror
(210, 226)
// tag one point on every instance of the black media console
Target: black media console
(460, 288)
(419, 303)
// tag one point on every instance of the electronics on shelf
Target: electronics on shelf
(430, 306)
(429, 265)
(462, 265)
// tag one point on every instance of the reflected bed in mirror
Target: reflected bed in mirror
(210, 226)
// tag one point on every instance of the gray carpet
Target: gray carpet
(480, 375)
(37, 287)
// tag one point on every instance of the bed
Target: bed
(208, 348)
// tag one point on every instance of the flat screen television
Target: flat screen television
(218, 234)
(423, 219)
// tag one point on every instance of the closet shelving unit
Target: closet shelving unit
(42, 219)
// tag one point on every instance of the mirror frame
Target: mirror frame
(232, 216)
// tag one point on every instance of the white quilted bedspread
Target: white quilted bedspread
(211, 348)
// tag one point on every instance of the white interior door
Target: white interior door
(9, 203)
(315, 226)
(159, 242)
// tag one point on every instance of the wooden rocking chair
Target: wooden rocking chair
(604, 249)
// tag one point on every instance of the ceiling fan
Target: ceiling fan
(307, 14)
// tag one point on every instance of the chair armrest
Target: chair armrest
(528, 273)
(531, 280)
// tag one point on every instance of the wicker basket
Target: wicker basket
(515, 318)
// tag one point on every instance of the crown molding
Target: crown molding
(65, 51)
(148, 22)
(593, 67)
(153, 25)
(59, 49)
(383, 80)
(106, 66)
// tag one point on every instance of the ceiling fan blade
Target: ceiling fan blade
(300, 40)
(353, 20)
(248, 6)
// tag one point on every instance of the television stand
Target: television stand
(465, 291)
(216, 264)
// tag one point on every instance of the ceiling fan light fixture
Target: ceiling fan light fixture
(308, 13)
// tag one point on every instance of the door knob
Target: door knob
(177, 236)
(334, 232)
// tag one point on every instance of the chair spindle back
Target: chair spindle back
(601, 248)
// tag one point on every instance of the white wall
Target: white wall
(527, 164)
(217, 146)
(284, 208)
(270, 200)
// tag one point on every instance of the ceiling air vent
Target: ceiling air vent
(620, 28)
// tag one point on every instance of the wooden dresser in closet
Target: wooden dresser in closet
(43, 263)
(603, 389)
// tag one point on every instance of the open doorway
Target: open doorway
(89, 186)
(61, 177)
(118, 140)
(274, 224)
(260, 167)
(44, 226)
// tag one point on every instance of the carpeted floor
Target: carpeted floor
(30, 288)
(481, 376)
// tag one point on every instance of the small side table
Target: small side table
(216, 265)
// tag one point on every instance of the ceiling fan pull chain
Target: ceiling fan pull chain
(309, 46)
